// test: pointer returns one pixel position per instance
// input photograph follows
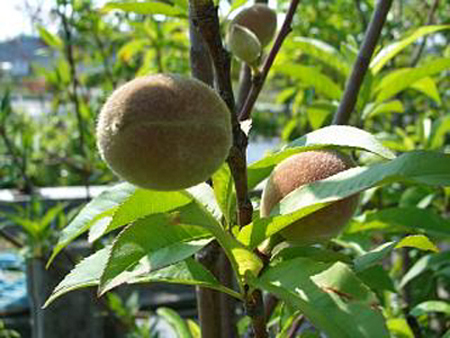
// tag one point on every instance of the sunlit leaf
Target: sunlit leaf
(389, 52)
(312, 77)
(330, 296)
(428, 86)
(402, 219)
(327, 137)
(223, 190)
(148, 235)
(146, 8)
(175, 321)
(429, 262)
(88, 272)
(431, 306)
(416, 167)
(50, 39)
(323, 52)
(92, 212)
(401, 79)
(417, 241)
(373, 109)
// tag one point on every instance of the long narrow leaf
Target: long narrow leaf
(389, 52)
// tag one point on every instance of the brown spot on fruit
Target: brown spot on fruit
(164, 132)
(304, 168)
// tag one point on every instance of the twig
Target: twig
(361, 65)
(11, 239)
(208, 301)
(74, 79)
(254, 307)
(206, 20)
(270, 303)
(245, 83)
(104, 56)
(430, 18)
(259, 79)
(228, 320)
(295, 326)
(20, 164)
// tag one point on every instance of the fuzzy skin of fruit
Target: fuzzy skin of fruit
(260, 19)
(164, 132)
(244, 44)
(301, 169)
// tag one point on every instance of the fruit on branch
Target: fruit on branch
(244, 44)
(304, 168)
(164, 132)
(260, 19)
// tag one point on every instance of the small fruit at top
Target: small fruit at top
(260, 19)
(304, 168)
(164, 132)
(244, 44)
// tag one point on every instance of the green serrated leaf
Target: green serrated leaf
(146, 236)
(401, 219)
(146, 202)
(91, 213)
(417, 167)
(156, 260)
(399, 327)
(224, 191)
(377, 279)
(49, 38)
(146, 8)
(175, 320)
(431, 306)
(374, 109)
(312, 77)
(310, 252)
(417, 241)
(323, 52)
(427, 263)
(401, 79)
(88, 272)
(440, 129)
(242, 259)
(389, 52)
(330, 296)
(428, 86)
(327, 137)
(374, 256)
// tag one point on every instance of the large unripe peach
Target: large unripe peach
(301, 169)
(260, 19)
(164, 132)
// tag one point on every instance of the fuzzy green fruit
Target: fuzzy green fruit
(244, 44)
(260, 19)
(301, 169)
(164, 132)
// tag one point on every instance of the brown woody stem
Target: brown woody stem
(353, 86)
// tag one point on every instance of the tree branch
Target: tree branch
(206, 20)
(430, 18)
(69, 54)
(17, 161)
(362, 62)
(259, 79)
(208, 301)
